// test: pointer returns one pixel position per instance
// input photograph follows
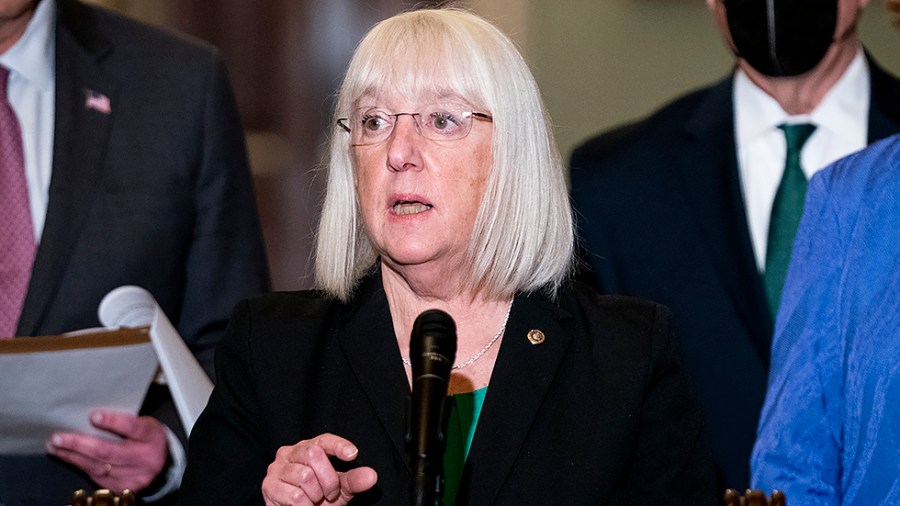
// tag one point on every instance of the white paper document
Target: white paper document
(131, 306)
(52, 383)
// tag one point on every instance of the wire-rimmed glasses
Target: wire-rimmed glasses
(436, 122)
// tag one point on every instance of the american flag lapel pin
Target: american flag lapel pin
(97, 101)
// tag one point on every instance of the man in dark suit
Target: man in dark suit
(136, 174)
(676, 208)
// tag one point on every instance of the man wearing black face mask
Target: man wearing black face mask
(696, 205)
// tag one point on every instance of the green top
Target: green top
(465, 408)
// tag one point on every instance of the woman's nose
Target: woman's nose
(403, 144)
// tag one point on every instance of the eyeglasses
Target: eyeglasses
(437, 122)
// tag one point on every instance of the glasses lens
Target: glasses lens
(445, 122)
(370, 125)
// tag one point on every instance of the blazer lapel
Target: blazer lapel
(371, 348)
(519, 383)
(80, 140)
(709, 175)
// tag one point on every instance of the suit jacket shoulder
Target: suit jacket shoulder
(96, 27)
(675, 116)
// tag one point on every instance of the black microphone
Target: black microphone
(432, 350)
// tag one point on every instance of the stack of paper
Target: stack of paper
(52, 383)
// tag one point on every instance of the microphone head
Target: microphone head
(433, 344)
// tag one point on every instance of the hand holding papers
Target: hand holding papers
(50, 384)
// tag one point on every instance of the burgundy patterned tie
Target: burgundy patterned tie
(17, 244)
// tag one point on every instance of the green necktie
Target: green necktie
(786, 211)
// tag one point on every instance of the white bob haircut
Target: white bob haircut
(523, 236)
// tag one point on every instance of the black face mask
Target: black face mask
(782, 38)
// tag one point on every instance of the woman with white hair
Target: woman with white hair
(445, 191)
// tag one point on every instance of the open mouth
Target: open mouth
(405, 207)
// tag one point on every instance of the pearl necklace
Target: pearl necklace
(484, 350)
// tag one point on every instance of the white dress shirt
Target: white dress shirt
(32, 90)
(841, 128)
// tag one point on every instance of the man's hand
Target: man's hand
(132, 463)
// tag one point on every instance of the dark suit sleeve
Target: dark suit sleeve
(226, 459)
(223, 258)
(673, 463)
(226, 261)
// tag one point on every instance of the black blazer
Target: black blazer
(155, 193)
(660, 213)
(597, 414)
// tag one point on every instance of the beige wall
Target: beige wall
(602, 62)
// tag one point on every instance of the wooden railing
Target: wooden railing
(103, 497)
(754, 498)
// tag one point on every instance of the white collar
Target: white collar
(757, 113)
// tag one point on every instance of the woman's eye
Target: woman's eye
(373, 122)
(443, 121)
